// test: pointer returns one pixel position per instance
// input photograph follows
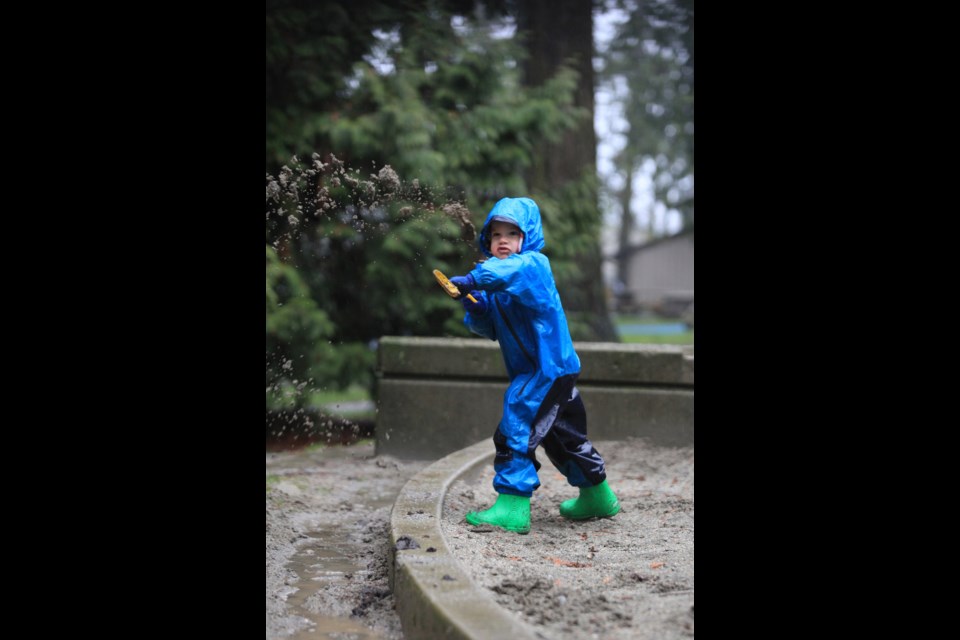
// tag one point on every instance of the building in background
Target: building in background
(659, 277)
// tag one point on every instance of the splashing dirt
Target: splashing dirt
(462, 216)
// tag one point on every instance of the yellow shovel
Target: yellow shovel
(449, 287)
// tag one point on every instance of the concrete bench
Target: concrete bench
(629, 390)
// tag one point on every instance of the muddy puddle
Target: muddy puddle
(328, 511)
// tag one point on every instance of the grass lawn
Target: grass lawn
(355, 393)
(352, 403)
(631, 329)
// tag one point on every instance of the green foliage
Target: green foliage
(571, 226)
(310, 49)
(451, 113)
(299, 354)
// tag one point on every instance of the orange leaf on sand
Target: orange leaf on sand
(567, 563)
(656, 565)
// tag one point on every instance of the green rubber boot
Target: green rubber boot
(594, 502)
(508, 512)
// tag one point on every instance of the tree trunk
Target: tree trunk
(626, 220)
(560, 31)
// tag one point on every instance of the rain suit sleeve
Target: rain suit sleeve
(481, 324)
(525, 277)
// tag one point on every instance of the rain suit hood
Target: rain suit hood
(522, 212)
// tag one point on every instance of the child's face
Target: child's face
(505, 239)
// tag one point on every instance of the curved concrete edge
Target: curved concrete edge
(434, 595)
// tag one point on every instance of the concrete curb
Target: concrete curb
(434, 595)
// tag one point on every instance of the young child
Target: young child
(519, 306)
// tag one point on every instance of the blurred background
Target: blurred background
(392, 128)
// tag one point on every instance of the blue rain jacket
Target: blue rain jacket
(524, 314)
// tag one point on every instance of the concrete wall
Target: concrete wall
(438, 395)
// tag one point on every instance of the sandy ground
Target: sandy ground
(630, 576)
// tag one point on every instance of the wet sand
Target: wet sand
(630, 576)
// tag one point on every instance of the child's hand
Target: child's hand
(464, 283)
(477, 308)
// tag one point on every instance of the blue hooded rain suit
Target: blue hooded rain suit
(542, 404)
